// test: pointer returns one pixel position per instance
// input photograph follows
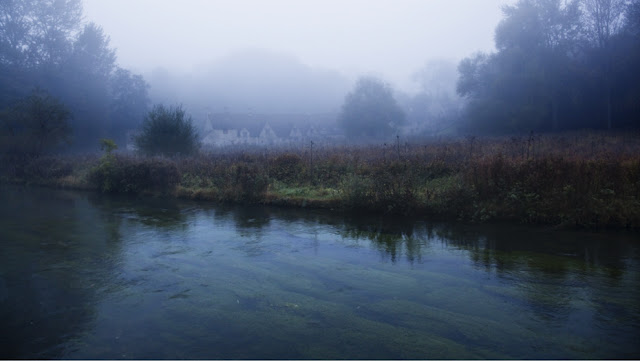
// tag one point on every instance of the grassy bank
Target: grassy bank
(579, 179)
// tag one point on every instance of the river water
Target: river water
(85, 275)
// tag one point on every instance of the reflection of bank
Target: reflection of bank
(164, 213)
(52, 254)
(549, 271)
(188, 265)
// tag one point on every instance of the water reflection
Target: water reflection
(57, 252)
(92, 276)
(166, 214)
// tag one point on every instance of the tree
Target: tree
(167, 131)
(92, 55)
(84, 85)
(129, 102)
(36, 124)
(44, 43)
(35, 33)
(526, 83)
(436, 107)
(370, 110)
(604, 20)
(15, 31)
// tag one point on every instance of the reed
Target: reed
(579, 179)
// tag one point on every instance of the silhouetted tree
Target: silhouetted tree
(36, 124)
(604, 19)
(129, 102)
(167, 131)
(436, 107)
(558, 65)
(43, 43)
(371, 110)
(521, 87)
(35, 33)
(84, 85)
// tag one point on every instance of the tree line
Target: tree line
(559, 65)
(54, 65)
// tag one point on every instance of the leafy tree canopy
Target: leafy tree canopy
(371, 110)
(167, 131)
(36, 124)
(560, 64)
(46, 44)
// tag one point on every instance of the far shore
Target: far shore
(586, 180)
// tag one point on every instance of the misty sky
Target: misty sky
(391, 39)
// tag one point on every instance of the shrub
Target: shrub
(286, 167)
(129, 175)
(249, 182)
(46, 168)
(354, 191)
(167, 131)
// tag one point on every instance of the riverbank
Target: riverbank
(578, 180)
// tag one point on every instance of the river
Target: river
(86, 275)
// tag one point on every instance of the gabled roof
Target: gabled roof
(280, 123)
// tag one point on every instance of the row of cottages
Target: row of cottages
(226, 129)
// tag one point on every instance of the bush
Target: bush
(286, 167)
(128, 175)
(167, 131)
(249, 182)
(46, 168)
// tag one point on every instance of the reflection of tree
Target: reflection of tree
(166, 214)
(550, 269)
(60, 250)
(394, 237)
(547, 270)
(505, 247)
(390, 235)
(251, 219)
(52, 255)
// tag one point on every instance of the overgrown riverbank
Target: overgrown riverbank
(581, 179)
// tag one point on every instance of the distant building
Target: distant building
(226, 129)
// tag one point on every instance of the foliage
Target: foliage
(35, 33)
(45, 44)
(36, 124)
(436, 107)
(559, 65)
(249, 182)
(167, 131)
(287, 167)
(574, 179)
(108, 146)
(117, 174)
(129, 102)
(371, 110)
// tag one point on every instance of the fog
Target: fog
(284, 72)
(251, 81)
(389, 38)
(292, 57)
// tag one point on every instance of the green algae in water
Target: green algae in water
(89, 276)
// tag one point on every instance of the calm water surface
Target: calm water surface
(91, 276)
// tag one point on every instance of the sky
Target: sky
(388, 38)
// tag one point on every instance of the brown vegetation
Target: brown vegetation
(577, 179)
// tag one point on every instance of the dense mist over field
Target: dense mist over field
(282, 72)
(389, 38)
(253, 80)
(526, 110)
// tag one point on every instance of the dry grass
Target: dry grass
(580, 179)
